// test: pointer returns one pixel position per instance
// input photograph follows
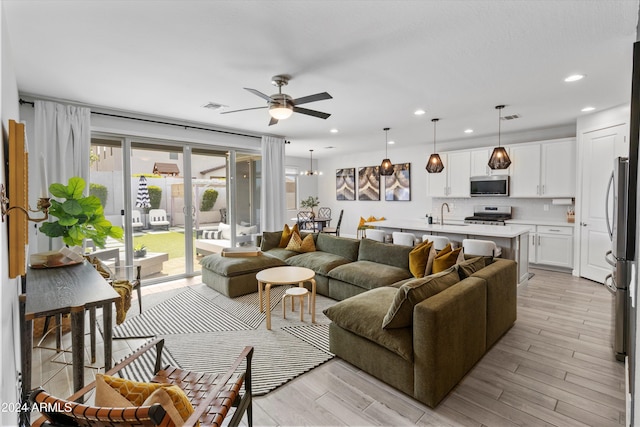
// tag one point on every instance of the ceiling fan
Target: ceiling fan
(281, 105)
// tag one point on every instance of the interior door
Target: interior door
(601, 147)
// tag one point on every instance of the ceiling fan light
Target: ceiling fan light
(499, 159)
(280, 112)
(435, 165)
(386, 168)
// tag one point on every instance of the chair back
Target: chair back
(339, 222)
(157, 215)
(405, 239)
(479, 247)
(439, 242)
(324, 213)
(377, 235)
(136, 218)
(305, 220)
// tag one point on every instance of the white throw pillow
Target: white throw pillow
(226, 230)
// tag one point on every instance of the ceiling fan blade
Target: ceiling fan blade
(273, 121)
(244, 109)
(313, 113)
(312, 98)
(260, 94)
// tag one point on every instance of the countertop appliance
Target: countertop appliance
(489, 186)
(618, 280)
(489, 215)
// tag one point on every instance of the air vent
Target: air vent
(214, 106)
(511, 117)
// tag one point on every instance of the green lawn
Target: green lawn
(171, 243)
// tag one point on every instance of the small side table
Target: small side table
(293, 293)
(285, 276)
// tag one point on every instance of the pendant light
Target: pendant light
(311, 172)
(499, 158)
(386, 168)
(434, 165)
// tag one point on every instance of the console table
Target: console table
(56, 291)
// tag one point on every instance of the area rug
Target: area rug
(204, 331)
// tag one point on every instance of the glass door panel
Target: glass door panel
(248, 172)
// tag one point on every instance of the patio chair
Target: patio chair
(211, 395)
(136, 219)
(334, 230)
(158, 218)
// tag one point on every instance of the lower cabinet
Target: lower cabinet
(551, 245)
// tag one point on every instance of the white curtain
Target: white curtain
(62, 141)
(273, 192)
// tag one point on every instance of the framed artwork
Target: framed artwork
(346, 184)
(369, 183)
(397, 187)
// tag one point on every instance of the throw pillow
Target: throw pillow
(298, 244)
(400, 313)
(225, 231)
(161, 397)
(108, 396)
(446, 258)
(419, 257)
(429, 267)
(133, 391)
(468, 267)
(286, 235)
(177, 400)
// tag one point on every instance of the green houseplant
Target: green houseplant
(155, 196)
(100, 191)
(79, 217)
(310, 203)
(209, 198)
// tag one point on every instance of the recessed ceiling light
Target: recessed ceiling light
(574, 78)
(587, 109)
(419, 112)
(468, 131)
(334, 130)
(391, 142)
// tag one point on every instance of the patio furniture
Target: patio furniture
(211, 395)
(158, 218)
(136, 219)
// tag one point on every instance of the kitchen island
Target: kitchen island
(513, 239)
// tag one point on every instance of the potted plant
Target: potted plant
(79, 217)
(310, 203)
(139, 251)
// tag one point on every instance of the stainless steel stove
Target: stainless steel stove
(489, 215)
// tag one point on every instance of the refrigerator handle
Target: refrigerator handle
(609, 259)
(609, 285)
(606, 206)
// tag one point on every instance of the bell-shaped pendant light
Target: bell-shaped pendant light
(386, 167)
(499, 158)
(434, 165)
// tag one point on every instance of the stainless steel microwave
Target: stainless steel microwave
(490, 186)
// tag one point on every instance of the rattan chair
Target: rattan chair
(212, 395)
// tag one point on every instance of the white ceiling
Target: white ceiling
(380, 60)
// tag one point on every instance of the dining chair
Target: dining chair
(336, 230)
(439, 242)
(377, 235)
(481, 248)
(324, 213)
(305, 220)
(405, 239)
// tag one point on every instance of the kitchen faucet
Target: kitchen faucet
(442, 212)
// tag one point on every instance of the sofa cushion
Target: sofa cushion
(225, 230)
(447, 258)
(231, 266)
(419, 258)
(270, 240)
(280, 253)
(320, 262)
(368, 274)
(384, 253)
(467, 267)
(362, 314)
(341, 246)
(400, 312)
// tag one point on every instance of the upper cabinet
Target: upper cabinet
(453, 181)
(480, 163)
(545, 169)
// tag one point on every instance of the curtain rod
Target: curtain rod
(22, 101)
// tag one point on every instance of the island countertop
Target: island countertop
(505, 231)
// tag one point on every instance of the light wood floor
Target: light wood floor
(554, 367)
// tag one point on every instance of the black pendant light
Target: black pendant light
(434, 165)
(386, 168)
(499, 158)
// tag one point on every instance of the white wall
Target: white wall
(421, 203)
(9, 327)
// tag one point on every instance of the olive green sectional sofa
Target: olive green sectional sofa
(448, 320)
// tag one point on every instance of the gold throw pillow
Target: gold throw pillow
(286, 235)
(446, 258)
(419, 257)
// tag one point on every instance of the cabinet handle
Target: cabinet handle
(542, 188)
(538, 190)
(554, 229)
(538, 240)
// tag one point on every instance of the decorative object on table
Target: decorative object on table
(499, 158)
(311, 171)
(139, 251)
(434, 164)
(52, 259)
(398, 185)
(79, 217)
(386, 167)
(369, 183)
(310, 203)
(571, 214)
(346, 184)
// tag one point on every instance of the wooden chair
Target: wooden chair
(212, 395)
(336, 230)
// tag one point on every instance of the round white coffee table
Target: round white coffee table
(285, 276)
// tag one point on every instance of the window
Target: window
(291, 184)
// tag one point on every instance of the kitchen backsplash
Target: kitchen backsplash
(523, 209)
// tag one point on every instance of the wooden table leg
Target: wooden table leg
(77, 348)
(260, 295)
(268, 304)
(301, 308)
(92, 328)
(313, 300)
(107, 314)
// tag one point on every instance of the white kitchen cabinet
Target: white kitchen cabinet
(480, 163)
(545, 169)
(453, 181)
(553, 246)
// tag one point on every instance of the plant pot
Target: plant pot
(140, 254)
